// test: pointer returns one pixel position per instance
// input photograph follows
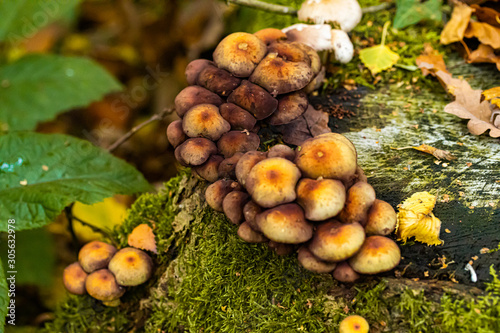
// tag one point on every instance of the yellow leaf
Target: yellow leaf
(486, 33)
(455, 28)
(378, 58)
(491, 93)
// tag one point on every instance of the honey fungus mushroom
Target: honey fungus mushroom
(195, 151)
(194, 68)
(95, 255)
(290, 107)
(321, 199)
(313, 264)
(210, 169)
(218, 80)
(381, 220)
(175, 133)
(192, 96)
(360, 197)
(232, 206)
(246, 163)
(344, 273)
(249, 235)
(74, 278)
(270, 35)
(250, 212)
(237, 117)
(254, 99)
(378, 254)
(131, 266)
(354, 324)
(103, 286)
(234, 142)
(204, 120)
(283, 151)
(216, 192)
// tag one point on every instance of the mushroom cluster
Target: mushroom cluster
(104, 272)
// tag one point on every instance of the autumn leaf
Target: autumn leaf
(437, 153)
(487, 15)
(380, 57)
(455, 28)
(430, 61)
(486, 33)
(310, 124)
(484, 53)
(413, 11)
(142, 237)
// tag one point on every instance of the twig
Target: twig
(373, 9)
(268, 7)
(129, 134)
(97, 229)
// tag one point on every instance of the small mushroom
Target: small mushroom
(195, 151)
(290, 107)
(192, 96)
(317, 36)
(227, 168)
(250, 211)
(342, 46)
(360, 197)
(175, 133)
(313, 264)
(209, 169)
(216, 192)
(316, 82)
(346, 13)
(234, 142)
(354, 324)
(218, 80)
(344, 273)
(74, 278)
(334, 241)
(102, 285)
(95, 255)
(378, 254)
(271, 182)
(232, 206)
(313, 56)
(194, 68)
(321, 199)
(204, 120)
(285, 224)
(249, 235)
(280, 248)
(289, 52)
(270, 35)
(239, 53)
(254, 99)
(239, 118)
(131, 266)
(282, 151)
(382, 219)
(246, 163)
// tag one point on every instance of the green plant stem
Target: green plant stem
(384, 32)
(373, 9)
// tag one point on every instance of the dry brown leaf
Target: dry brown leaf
(311, 123)
(317, 121)
(451, 84)
(437, 153)
(487, 15)
(456, 26)
(430, 61)
(142, 237)
(486, 33)
(484, 53)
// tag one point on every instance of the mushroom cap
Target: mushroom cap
(246, 163)
(131, 266)
(234, 142)
(95, 255)
(227, 168)
(194, 68)
(316, 82)
(360, 198)
(232, 205)
(313, 264)
(204, 120)
(342, 46)
(282, 151)
(313, 56)
(354, 324)
(249, 235)
(216, 192)
(194, 95)
(271, 182)
(74, 278)
(239, 118)
(195, 151)
(290, 107)
(321, 199)
(254, 99)
(239, 53)
(289, 52)
(317, 36)
(279, 76)
(328, 155)
(270, 35)
(344, 273)
(280, 248)
(334, 241)
(250, 211)
(175, 133)
(347, 13)
(218, 80)
(382, 219)
(378, 254)
(285, 224)
(209, 169)
(102, 285)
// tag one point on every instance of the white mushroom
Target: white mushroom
(347, 13)
(317, 36)
(342, 46)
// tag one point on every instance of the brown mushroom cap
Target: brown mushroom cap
(281, 151)
(194, 68)
(239, 53)
(354, 324)
(232, 205)
(234, 142)
(285, 224)
(216, 192)
(279, 76)
(289, 52)
(313, 264)
(378, 254)
(95, 255)
(270, 35)
(175, 133)
(313, 56)
(254, 99)
(249, 235)
(131, 266)
(239, 118)
(227, 168)
(328, 156)
(271, 182)
(102, 285)
(209, 169)
(360, 198)
(204, 120)
(321, 199)
(250, 211)
(246, 163)
(290, 107)
(334, 241)
(74, 279)
(194, 95)
(316, 82)
(381, 219)
(218, 80)
(344, 273)
(195, 151)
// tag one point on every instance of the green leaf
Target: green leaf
(378, 58)
(411, 12)
(37, 87)
(4, 298)
(40, 174)
(23, 18)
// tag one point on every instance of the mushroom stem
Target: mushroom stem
(268, 7)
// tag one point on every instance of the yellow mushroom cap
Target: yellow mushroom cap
(131, 266)
(74, 279)
(95, 255)
(334, 241)
(382, 219)
(378, 254)
(313, 264)
(354, 324)
(270, 35)
(249, 235)
(321, 199)
(204, 120)
(102, 285)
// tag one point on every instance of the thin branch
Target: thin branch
(377, 8)
(68, 211)
(268, 7)
(129, 134)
